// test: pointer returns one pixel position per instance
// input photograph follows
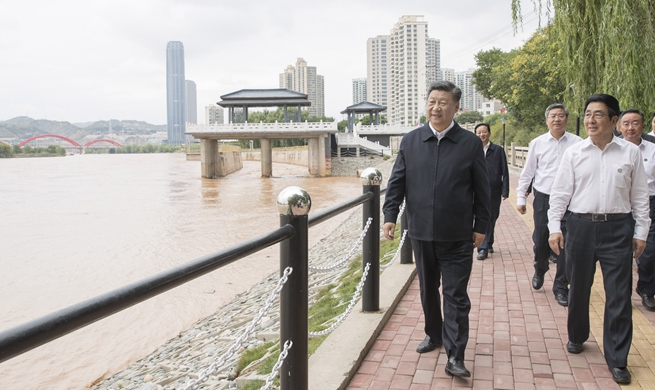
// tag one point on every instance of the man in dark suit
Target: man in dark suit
(441, 171)
(498, 183)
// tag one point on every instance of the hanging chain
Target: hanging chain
(283, 355)
(193, 385)
(349, 255)
(343, 316)
(400, 245)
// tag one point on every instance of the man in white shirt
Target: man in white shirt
(602, 181)
(631, 123)
(544, 155)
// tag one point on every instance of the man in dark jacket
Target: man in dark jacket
(498, 183)
(440, 170)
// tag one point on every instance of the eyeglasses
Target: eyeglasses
(597, 115)
(633, 123)
(556, 116)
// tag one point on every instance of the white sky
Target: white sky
(88, 60)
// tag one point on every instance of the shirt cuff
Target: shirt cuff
(641, 233)
(520, 200)
(555, 227)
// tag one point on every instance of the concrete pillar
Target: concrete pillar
(513, 159)
(321, 155)
(312, 157)
(208, 157)
(267, 157)
(357, 152)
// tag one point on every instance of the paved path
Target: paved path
(518, 335)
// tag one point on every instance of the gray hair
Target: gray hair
(557, 105)
(446, 86)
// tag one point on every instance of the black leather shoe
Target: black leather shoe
(455, 367)
(621, 375)
(553, 258)
(562, 298)
(537, 281)
(491, 249)
(428, 345)
(647, 301)
(575, 348)
(482, 254)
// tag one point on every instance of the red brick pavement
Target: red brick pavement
(517, 335)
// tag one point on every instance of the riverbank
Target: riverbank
(195, 349)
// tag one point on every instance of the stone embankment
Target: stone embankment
(195, 349)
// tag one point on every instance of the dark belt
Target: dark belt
(601, 217)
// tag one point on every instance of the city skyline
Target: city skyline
(82, 61)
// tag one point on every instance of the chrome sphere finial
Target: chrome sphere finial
(294, 201)
(371, 177)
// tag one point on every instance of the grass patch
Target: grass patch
(252, 354)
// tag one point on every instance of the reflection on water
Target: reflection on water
(79, 226)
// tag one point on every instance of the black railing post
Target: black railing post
(406, 250)
(371, 179)
(293, 204)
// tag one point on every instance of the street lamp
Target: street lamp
(504, 120)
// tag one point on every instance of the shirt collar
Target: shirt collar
(441, 134)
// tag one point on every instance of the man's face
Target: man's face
(441, 109)
(597, 121)
(632, 126)
(653, 125)
(556, 120)
(483, 133)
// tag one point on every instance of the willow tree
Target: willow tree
(607, 47)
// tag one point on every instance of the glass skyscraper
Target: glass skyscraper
(175, 93)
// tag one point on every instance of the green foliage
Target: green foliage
(6, 151)
(469, 117)
(606, 46)
(250, 355)
(342, 125)
(366, 120)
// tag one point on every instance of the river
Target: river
(77, 226)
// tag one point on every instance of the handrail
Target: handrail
(27, 336)
(340, 208)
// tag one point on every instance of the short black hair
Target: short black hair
(609, 100)
(475, 130)
(446, 86)
(632, 111)
(557, 105)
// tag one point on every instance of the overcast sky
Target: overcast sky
(91, 60)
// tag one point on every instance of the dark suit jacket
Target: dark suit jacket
(445, 183)
(498, 171)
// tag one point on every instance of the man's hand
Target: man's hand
(477, 239)
(556, 242)
(638, 247)
(388, 229)
(504, 197)
(521, 209)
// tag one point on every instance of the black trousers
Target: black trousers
(646, 262)
(491, 227)
(542, 248)
(610, 243)
(447, 263)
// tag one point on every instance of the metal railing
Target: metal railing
(294, 205)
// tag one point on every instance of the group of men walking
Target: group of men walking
(592, 200)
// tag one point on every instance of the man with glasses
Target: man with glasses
(602, 182)
(441, 171)
(631, 123)
(544, 156)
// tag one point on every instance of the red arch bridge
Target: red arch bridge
(71, 143)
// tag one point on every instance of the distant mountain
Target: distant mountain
(23, 127)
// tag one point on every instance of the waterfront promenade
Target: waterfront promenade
(518, 335)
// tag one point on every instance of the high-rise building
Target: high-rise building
(377, 56)
(305, 79)
(401, 66)
(191, 110)
(448, 74)
(175, 93)
(471, 99)
(359, 90)
(213, 114)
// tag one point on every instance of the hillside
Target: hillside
(23, 127)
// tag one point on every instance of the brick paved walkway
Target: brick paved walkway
(518, 335)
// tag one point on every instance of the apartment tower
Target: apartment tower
(359, 90)
(305, 79)
(401, 66)
(175, 93)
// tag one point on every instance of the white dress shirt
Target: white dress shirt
(544, 155)
(609, 181)
(442, 133)
(648, 153)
